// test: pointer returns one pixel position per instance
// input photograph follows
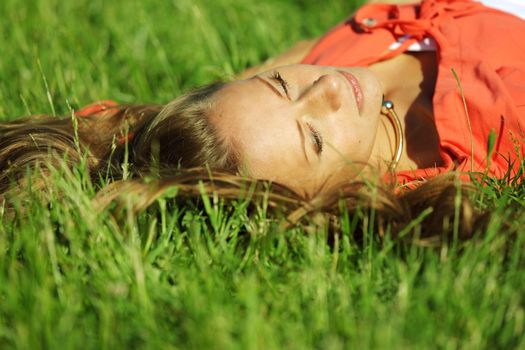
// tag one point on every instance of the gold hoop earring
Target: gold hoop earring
(388, 110)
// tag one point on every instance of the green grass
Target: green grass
(183, 276)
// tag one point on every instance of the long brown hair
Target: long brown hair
(176, 144)
(438, 211)
(182, 136)
(175, 135)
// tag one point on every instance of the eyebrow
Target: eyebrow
(303, 141)
(270, 85)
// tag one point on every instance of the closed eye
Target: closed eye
(278, 78)
(316, 137)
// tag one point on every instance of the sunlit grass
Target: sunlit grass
(182, 275)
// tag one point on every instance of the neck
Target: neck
(408, 81)
(384, 147)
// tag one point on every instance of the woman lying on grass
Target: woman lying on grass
(315, 120)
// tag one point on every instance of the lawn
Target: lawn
(187, 275)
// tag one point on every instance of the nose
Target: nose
(325, 94)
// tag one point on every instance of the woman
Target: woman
(429, 60)
(453, 69)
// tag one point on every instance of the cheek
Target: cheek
(365, 138)
(355, 144)
(340, 174)
(299, 180)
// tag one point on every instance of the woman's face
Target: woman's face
(310, 128)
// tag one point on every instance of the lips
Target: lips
(354, 84)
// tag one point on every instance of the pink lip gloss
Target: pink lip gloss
(354, 84)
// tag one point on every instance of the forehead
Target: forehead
(249, 107)
(245, 96)
(261, 125)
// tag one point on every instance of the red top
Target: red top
(486, 49)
